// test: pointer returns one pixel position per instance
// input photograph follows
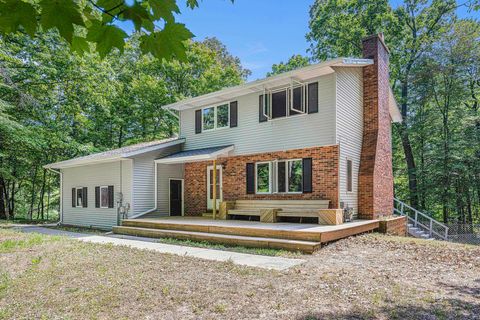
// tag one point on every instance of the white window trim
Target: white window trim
(76, 197)
(215, 120)
(100, 197)
(269, 177)
(289, 99)
(286, 176)
(346, 176)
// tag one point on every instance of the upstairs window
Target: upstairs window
(217, 117)
(300, 98)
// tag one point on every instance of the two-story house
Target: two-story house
(322, 132)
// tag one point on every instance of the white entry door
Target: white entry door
(210, 186)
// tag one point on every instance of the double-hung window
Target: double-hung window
(216, 117)
(79, 197)
(289, 176)
(104, 197)
(263, 173)
(283, 176)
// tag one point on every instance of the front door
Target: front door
(210, 186)
(176, 197)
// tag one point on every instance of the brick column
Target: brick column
(375, 188)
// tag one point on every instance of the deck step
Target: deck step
(247, 241)
(237, 230)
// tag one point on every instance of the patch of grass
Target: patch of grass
(4, 222)
(78, 229)
(33, 239)
(240, 249)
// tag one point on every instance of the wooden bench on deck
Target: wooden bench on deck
(270, 210)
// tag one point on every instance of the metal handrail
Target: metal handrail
(443, 235)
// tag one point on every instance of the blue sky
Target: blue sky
(259, 32)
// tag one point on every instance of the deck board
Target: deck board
(281, 230)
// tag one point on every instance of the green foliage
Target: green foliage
(58, 105)
(96, 18)
(435, 74)
(294, 62)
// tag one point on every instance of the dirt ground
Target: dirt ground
(367, 277)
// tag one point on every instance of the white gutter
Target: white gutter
(61, 192)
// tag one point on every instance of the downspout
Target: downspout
(61, 192)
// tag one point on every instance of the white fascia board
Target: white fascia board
(77, 163)
(153, 148)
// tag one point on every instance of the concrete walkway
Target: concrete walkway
(251, 260)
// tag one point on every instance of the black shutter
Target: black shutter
(307, 175)
(233, 114)
(250, 178)
(85, 197)
(313, 97)
(198, 121)
(97, 197)
(74, 197)
(110, 196)
(261, 116)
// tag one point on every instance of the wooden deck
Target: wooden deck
(290, 236)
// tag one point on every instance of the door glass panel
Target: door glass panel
(211, 184)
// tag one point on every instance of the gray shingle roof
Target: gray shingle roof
(123, 152)
(195, 152)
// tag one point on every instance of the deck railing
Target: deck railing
(434, 228)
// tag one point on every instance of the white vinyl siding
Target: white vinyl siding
(252, 136)
(349, 129)
(91, 176)
(144, 179)
(165, 172)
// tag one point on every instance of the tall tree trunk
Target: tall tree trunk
(41, 203)
(32, 199)
(407, 147)
(3, 212)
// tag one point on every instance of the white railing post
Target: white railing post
(431, 227)
(446, 233)
(401, 208)
(416, 218)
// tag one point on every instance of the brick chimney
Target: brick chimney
(375, 187)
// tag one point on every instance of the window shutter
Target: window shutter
(74, 197)
(313, 97)
(110, 196)
(198, 121)
(233, 114)
(85, 197)
(307, 175)
(97, 197)
(250, 178)
(261, 116)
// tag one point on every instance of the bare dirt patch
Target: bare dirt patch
(371, 276)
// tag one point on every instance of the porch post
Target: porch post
(214, 204)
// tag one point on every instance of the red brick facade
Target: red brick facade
(325, 170)
(375, 190)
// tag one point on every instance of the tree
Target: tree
(82, 23)
(68, 105)
(294, 62)
(410, 30)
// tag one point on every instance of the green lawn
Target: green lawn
(371, 276)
